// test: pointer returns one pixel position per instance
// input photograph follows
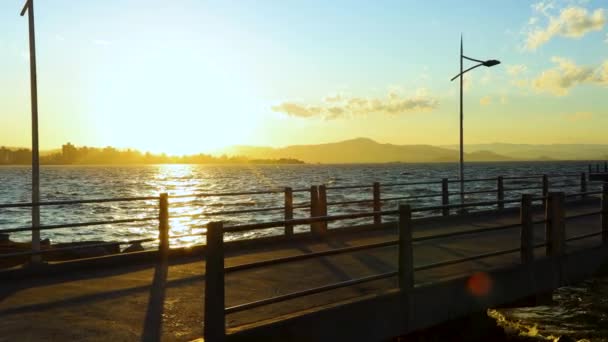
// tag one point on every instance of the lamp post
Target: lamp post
(488, 63)
(29, 8)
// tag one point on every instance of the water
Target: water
(583, 307)
(87, 182)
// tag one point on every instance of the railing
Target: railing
(317, 206)
(555, 245)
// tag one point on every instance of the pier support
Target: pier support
(163, 226)
(527, 230)
(288, 214)
(406, 256)
(605, 213)
(500, 193)
(377, 203)
(214, 328)
(445, 197)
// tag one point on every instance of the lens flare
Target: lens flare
(479, 284)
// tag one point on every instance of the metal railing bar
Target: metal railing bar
(307, 220)
(341, 187)
(308, 292)
(583, 193)
(524, 188)
(410, 183)
(459, 205)
(583, 215)
(521, 177)
(472, 258)
(473, 192)
(79, 224)
(584, 236)
(472, 180)
(187, 235)
(310, 256)
(466, 232)
(82, 201)
(410, 197)
(62, 249)
(350, 202)
(221, 194)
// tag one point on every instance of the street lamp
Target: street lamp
(29, 8)
(488, 63)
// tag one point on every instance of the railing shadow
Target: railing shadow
(153, 323)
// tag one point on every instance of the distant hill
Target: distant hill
(362, 150)
(542, 152)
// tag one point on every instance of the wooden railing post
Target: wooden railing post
(605, 213)
(590, 170)
(527, 229)
(322, 207)
(445, 197)
(314, 208)
(545, 190)
(583, 183)
(377, 203)
(555, 225)
(500, 193)
(406, 255)
(215, 319)
(288, 210)
(163, 225)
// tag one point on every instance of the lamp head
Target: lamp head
(491, 63)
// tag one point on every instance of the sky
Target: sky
(188, 76)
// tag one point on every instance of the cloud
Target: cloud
(335, 108)
(579, 116)
(572, 22)
(486, 100)
(296, 110)
(560, 79)
(517, 69)
(566, 75)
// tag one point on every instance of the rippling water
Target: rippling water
(584, 307)
(86, 182)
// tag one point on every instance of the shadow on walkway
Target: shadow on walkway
(153, 324)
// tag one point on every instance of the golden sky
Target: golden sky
(189, 76)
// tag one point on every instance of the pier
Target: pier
(396, 274)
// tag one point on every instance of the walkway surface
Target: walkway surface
(151, 302)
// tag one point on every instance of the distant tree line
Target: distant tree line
(71, 154)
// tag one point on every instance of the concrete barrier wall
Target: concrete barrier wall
(393, 313)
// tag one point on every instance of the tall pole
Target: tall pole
(29, 7)
(461, 165)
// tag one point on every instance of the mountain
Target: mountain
(541, 152)
(361, 150)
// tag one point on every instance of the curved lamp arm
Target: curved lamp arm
(469, 69)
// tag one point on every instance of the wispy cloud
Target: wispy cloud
(485, 101)
(566, 75)
(571, 22)
(339, 106)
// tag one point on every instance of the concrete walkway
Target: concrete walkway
(156, 302)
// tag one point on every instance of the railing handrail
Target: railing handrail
(267, 191)
(79, 201)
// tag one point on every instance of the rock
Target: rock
(565, 338)
(136, 247)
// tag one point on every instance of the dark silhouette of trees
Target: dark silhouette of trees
(71, 154)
